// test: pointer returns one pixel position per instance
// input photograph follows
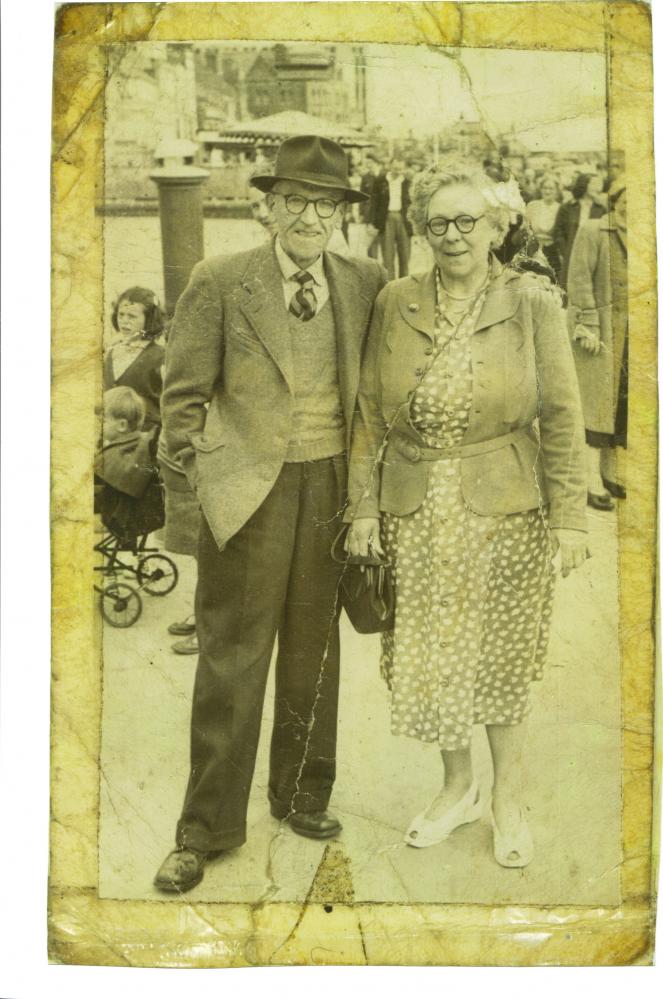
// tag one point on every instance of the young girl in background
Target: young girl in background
(136, 359)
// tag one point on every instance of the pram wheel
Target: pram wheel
(120, 605)
(157, 575)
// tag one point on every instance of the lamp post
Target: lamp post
(179, 183)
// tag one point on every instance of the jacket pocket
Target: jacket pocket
(243, 338)
(204, 443)
(510, 480)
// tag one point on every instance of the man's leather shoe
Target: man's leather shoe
(186, 627)
(187, 646)
(182, 869)
(315, 825)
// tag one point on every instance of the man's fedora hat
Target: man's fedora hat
(311, 159)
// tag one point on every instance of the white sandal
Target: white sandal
(424, 832)
(516, 850)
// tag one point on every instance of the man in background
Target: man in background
(374, 210)
(397, 230)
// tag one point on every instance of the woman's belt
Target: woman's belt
(419, 452)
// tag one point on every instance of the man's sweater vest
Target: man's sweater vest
(318, 428)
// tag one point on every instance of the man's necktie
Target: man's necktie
(303, 303)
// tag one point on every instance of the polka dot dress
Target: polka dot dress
(474, 593)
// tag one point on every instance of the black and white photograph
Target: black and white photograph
(362, 453)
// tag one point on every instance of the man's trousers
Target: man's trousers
(395, 239)
(275, 576)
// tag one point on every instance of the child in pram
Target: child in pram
(129, 499)
(128, 493)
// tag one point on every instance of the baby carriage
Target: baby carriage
(129, 499)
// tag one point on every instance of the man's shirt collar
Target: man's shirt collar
(289, 268)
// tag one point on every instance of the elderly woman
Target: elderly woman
(451, 474)
(598, 323)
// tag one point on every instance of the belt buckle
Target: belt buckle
(413, 451)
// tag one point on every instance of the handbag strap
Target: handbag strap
(334, 553)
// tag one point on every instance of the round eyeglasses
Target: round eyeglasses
(297, 205)
(464, 224)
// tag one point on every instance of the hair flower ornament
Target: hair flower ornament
(506, 194)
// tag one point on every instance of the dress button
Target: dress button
(428, 351)
(419, 372)
(413, 307)
(445, 603)
(444, 683)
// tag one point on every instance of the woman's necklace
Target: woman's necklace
(453, 308)
(464, 298)
(465, 303)
(456, 298)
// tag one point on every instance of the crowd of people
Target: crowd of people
(319, 385)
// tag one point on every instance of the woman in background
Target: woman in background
(586, 204)
(542, 215)
(598, 323)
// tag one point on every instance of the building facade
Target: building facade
(326, 81)
(150, 98)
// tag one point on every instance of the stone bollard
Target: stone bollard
(181, 215)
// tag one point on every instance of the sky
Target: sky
(424, 89)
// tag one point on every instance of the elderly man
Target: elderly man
(261, 379)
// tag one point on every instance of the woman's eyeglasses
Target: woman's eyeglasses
(464, 224)
(297, 205)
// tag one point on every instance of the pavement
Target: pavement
(573, 772)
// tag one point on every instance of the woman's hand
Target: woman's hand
(364, 533)
(588, 339)
(571, 547)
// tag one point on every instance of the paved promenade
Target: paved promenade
(573, 772)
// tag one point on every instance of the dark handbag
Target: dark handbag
(366, 590)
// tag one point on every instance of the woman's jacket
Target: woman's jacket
(524, 445)
(564, 232)
(598, 298)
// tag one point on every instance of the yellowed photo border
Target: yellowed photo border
(84, 929)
